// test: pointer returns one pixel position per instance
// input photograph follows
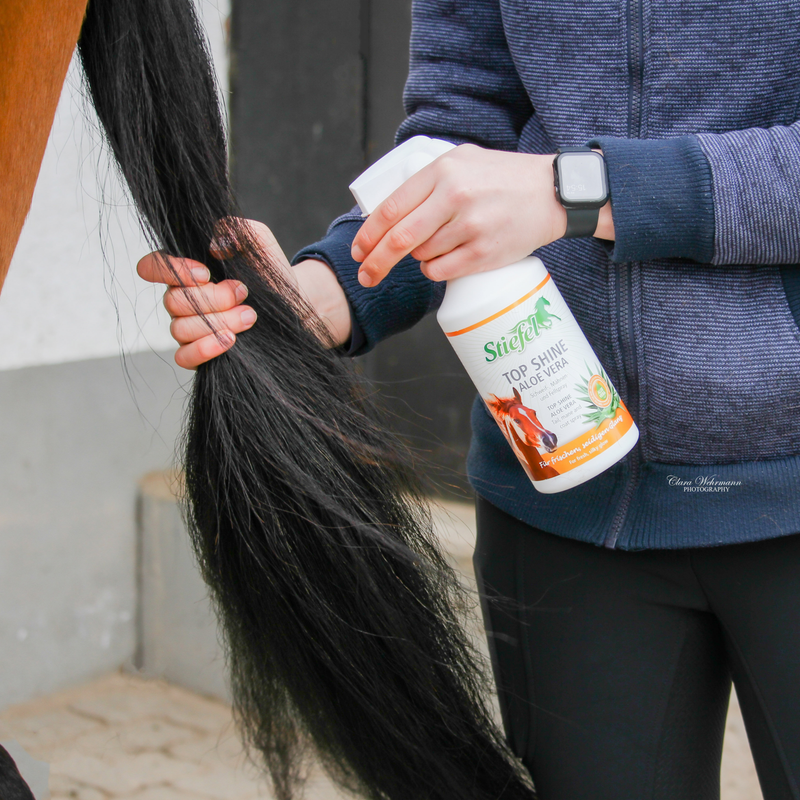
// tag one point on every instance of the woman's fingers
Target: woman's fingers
(453, 234)
(397, 205)
(413, 230)
(160, 268)
(432, 214)
(196, 304)
(193, 328)
(461, 260)
(395, 228)
(191, 356)
(207, 299)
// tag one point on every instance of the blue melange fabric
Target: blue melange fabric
(694, 309)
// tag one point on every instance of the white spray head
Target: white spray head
(374, 185)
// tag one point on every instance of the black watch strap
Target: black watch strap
(581, 222)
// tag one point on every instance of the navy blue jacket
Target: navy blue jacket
(694, 309)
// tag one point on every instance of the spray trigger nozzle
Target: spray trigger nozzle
(375, 184)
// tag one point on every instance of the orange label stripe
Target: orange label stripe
(500, 313)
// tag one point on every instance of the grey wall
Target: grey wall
(74, 440)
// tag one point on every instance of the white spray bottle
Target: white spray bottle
(523, 349)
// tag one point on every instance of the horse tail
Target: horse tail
(12, 784)
(340, 615)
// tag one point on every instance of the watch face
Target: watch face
(582, 178)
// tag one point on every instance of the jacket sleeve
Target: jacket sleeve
(462, 83)
(756, 186)
(719, 198)
(463, 87)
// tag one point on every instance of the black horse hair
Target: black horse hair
(12, 784)
(341, 616)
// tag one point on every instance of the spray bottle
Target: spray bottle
(530, 361)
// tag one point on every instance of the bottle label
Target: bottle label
(542, 382)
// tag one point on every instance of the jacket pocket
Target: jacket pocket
(721, 372)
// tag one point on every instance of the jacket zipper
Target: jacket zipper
(625, 304)
(635, 17)
(624, 284)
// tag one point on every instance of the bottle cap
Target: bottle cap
(374, 185)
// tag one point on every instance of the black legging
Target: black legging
(614, 668)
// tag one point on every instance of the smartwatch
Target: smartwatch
(581, 183)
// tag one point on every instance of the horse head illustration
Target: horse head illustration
(525, 433)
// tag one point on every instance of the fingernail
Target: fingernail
(357, 253)
(226, 338)
(365, 279)
(201, 274)
(241, 291)
(248, 316)
(223, 243)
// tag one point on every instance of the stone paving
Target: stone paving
(125, 737)
(122, 737)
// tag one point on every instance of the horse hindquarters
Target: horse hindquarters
(37, 38)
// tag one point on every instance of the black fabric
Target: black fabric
(581, 222)
(790, 275)
(614, 668)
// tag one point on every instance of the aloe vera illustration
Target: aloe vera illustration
(598, 393)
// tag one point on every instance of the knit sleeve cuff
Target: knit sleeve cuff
(661, 197)
(756, 178)
(397, 303)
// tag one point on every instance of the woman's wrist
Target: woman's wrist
(555, 215)
(558, 214)
(321, 289)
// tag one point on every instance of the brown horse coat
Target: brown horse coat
(37, 38)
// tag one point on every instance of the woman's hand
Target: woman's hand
(469, 211)
(222, 302)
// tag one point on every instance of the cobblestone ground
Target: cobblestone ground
(125, 738)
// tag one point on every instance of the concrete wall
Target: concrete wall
(74, 441)
(178, 637)
(78, 427)
(178, 631)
